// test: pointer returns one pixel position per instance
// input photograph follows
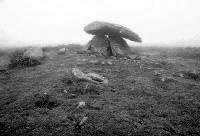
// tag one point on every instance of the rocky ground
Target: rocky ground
(149, 95)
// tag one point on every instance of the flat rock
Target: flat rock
(91, 77)
(98, 78)
(105, 28)
(80, 75)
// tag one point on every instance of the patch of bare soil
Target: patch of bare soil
(153, 95)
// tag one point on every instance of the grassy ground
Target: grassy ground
(143, 97)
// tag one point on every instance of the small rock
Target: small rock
(94, 56)
(102, 62)
(117, 70)
(84, 60)
(61, 51)
(4, 62)
(157, 73)
(181, 75)
(149, 68)
(81, 104)
(163, 79)
(109, 63)
(94, 61)
(83, 120)
(65, 91)
(72, 96)
(167, 79)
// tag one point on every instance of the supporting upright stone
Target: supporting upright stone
(100, 44)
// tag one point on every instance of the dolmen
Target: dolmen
(108, 38)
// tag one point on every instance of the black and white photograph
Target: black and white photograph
(99, 67)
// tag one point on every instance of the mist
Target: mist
(56, 22)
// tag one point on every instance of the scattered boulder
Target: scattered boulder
(167, 79)
(105, 28)
(61, 51)
(103, 62)
(157, 73)
(81, 104)
(4, 63)
(34, 53)
(24, 58)
(98, 78)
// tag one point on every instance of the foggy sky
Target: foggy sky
(62, 21)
